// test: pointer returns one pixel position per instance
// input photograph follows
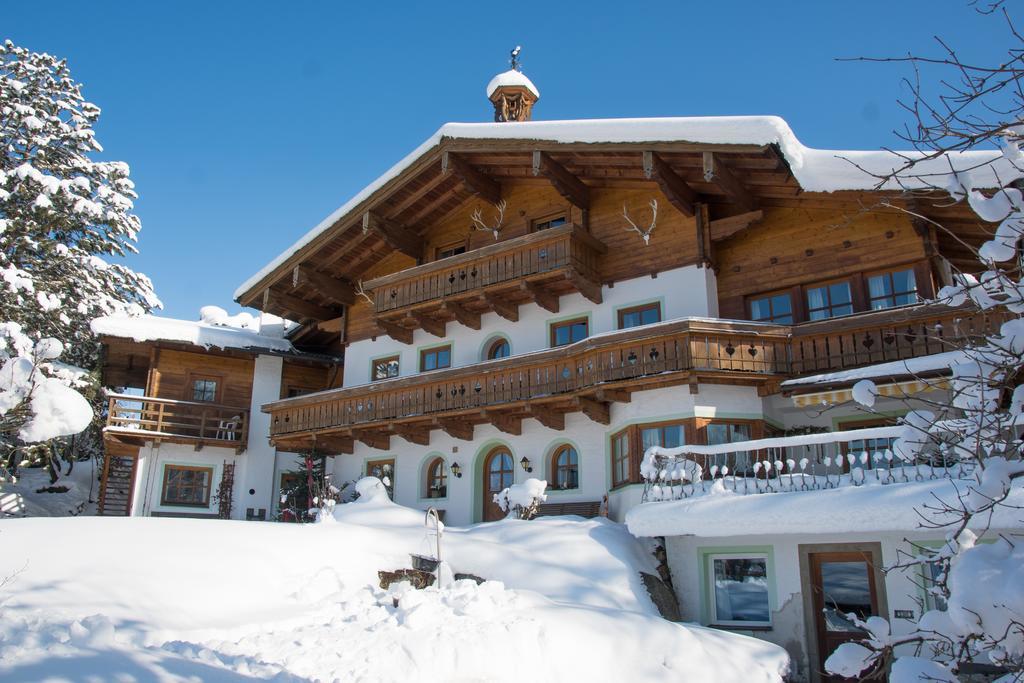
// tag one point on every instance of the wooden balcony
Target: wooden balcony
(138, 419)
(586, 376)
(538, 267)
(591, 374)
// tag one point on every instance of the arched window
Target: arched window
(565, 469)
(437, 479)
(499, 348)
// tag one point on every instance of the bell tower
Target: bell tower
(512, 93)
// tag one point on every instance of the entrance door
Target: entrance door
(841, 583)
(498, 474)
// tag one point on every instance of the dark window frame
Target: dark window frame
(190, 386)
(830, 306)
(555, 326)
(434, 350)
(888, 273)
(452, 248)
(183, 502)
(639, 308)
(436, 479)
(494, 344)
(382, 361)
(769, 296)
(544, 222)
(555, 468)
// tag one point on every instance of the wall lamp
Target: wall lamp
(525, 462)
(456, 470)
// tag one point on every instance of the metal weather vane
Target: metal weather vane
(515, 57)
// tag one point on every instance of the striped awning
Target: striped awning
(893, 390)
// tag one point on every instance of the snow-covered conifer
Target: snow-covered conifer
(65, 223)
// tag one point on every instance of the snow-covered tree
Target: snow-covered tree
(65, 221)
(978, 577)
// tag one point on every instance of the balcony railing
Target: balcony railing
(555, 254)
(810, 462)
(145, 418)
(628, 358)
(616, 363)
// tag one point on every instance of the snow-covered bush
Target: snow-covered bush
(65, 220)
(521, 501)
(979, 585)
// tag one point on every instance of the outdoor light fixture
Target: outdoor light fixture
(525, 462)
(456, 470)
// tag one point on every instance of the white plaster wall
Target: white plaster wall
(789, 628)
(254, 478)
(683, 292)
(149, 476)
(537, 442)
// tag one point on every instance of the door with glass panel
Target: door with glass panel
(842, 583)
(498, 475)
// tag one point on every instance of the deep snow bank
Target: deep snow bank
(165, 599)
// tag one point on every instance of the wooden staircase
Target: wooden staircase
(117, 484)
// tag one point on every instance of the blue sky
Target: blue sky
(246, 123)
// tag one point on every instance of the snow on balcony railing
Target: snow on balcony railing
(793, 463)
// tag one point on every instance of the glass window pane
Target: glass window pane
(878, 285)
(847, 588)
(741, 590)
(444, 358)
(672, 437)
(760, 309)
(846, 309)
(781, 305)
(630, 319)
(903, 281)
(651, 315)
(839, 293)
(816, 298)
(650, 437)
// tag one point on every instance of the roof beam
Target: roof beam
(506, 309)
(724, 228)
(478, 183)
(462, 315)
(568, 185)
(675, 189)
(598, 411)
(395, 331)
(541, 296)
(396, 236)
(718, 173)
(455, 428)
(419, 194)
(293, 304)
(432, 325)
(339, 290)
(415, 435)
(552, 419)
(510, 424)
(381, 442)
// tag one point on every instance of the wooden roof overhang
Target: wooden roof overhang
(125, 361)
(318, 280)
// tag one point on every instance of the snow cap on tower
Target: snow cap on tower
(512, 93)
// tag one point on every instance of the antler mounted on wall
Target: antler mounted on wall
(645, 233)
(360, 291)
(478, 220)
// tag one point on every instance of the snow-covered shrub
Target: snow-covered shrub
(522, 500)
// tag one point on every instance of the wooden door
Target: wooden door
(841, 583)
(498, 475)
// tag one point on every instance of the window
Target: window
(565, 468)
(385, 471)
(384, 368)
(772, 308)
(449, 250)
(569, 331)
(293, 391)
(186, 485)
(829, 301)
(666, 436)
(895, 288)
(621, 469)
(875, 449)
(739, 590)
(549, 222)
(204, 389)
(499, 348)
(437, 479)
(639, 315)
(726, 432)
(637, 439)
(436, 358)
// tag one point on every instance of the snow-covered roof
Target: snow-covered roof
(817, 170)
(899, 368)
(145, 328)
(512, 78)
(873, 507)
